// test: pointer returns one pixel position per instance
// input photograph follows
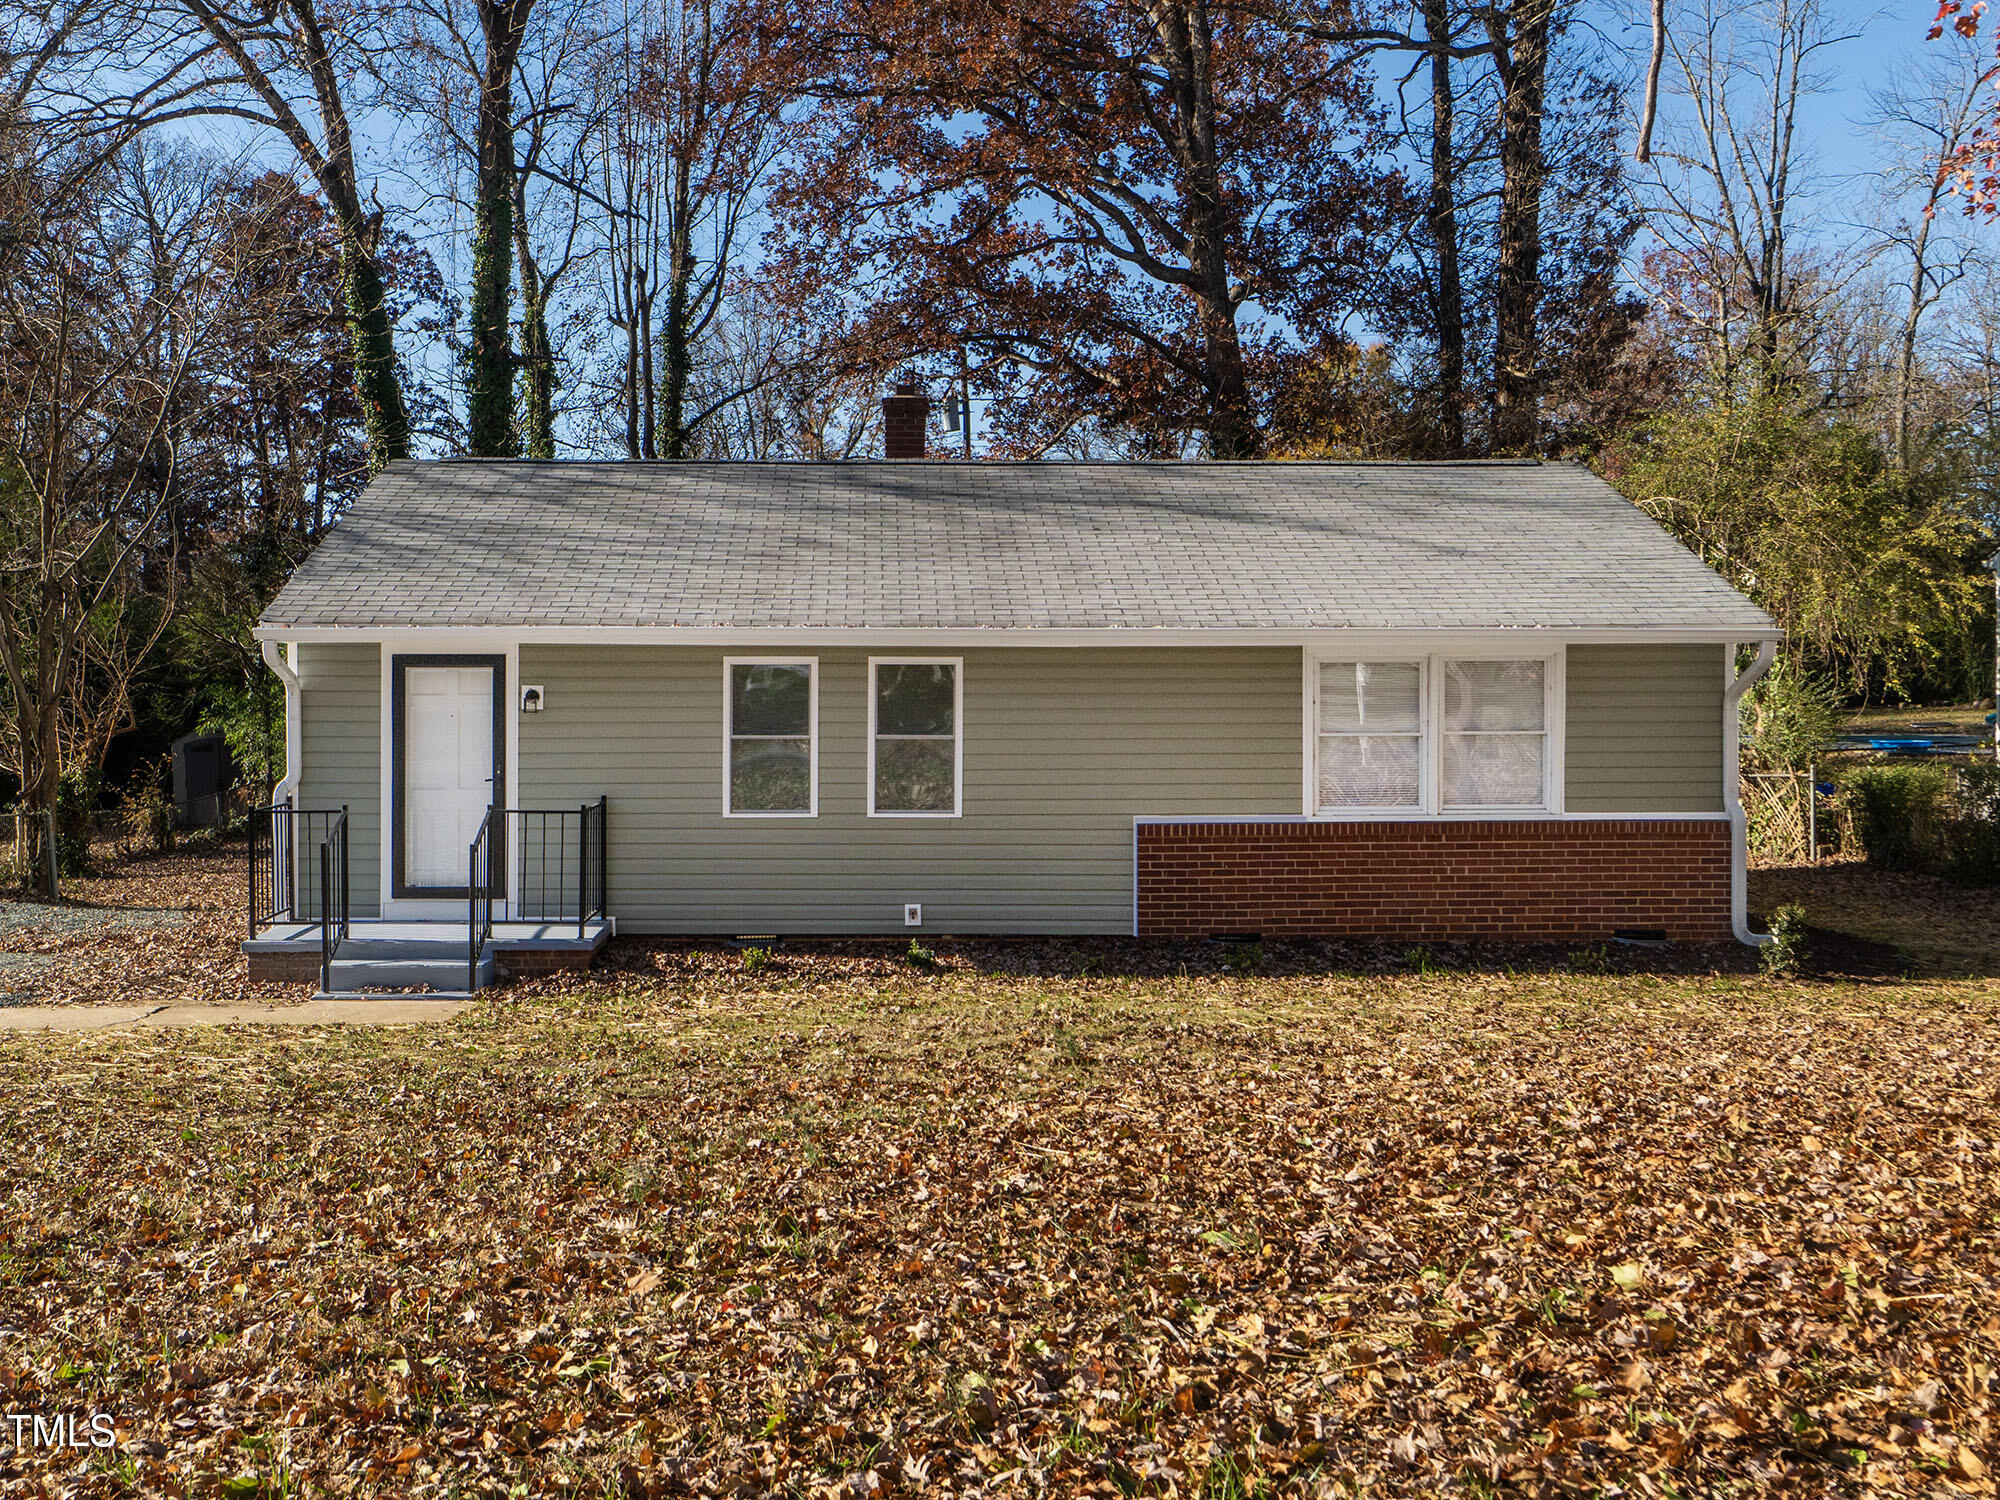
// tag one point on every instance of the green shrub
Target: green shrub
(1595, 959)
(1901, 813)
(756, 960)
(76, 802)
(1790, 719)
(1936, 817)
(1975, 852)
(1786, 952)
(920, 957)
(145, 812)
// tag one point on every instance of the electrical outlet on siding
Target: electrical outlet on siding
(913, 914)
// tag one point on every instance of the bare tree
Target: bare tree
(440, 72)
(1727, 186)
(280, 65)
(1443, 31)
(696, 114)
(101, 323)
(1923, 122)
(1520, 39)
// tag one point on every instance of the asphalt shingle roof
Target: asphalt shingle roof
(1033, 545)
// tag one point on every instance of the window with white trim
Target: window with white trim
(1432, 734)
(770, 728)
(1495, 733)
(914, 708)
(1371, 720)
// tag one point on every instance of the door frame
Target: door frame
(398, 663)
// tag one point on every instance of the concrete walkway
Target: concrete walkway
(389, 1011)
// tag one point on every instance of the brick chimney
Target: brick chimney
(905, 415)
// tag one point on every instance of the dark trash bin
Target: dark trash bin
(201, 777)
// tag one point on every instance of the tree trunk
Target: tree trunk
(1906, 354)
(489, 380)
(373, 335)
(41, 774)
(538, 359)
(1449, 312)
(538, 394)
(372, 331)
(676, 355)
(1523, 60)
(1189, 48)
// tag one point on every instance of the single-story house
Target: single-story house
(1414, 700)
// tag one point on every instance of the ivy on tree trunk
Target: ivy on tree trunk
(385, 417)
(489, 379)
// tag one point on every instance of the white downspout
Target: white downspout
(1732, 803)
(274, 658)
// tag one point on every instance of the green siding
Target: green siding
(1062, 748)
(1644, 729)
(340, 748)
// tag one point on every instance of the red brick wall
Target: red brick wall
(285, 968)
(905, 416)
(1520, 880)
(522, 962)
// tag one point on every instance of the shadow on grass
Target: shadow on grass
(1916, 924)
(1108, 958)
(1866, 925)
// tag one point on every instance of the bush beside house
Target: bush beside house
(1932, 817)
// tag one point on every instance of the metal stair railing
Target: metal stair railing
(479, 898)
(283, 887)
(336, 898)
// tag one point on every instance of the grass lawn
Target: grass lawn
(1967, 718)
(1054, 1219)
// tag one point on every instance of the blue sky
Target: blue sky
(1834, 121)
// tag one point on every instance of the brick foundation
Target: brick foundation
(524, 963)
(284, 968)
(1527, 880)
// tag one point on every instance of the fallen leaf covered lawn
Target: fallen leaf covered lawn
(875, 1232)
(162, 928)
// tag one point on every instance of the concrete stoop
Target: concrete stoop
(427, 959)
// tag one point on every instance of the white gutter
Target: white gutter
(1732, 802)
(287, 674)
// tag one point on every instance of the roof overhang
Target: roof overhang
(791, 638)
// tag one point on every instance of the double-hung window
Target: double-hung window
(1495, 733)
(914, 709)
(1433, 734)
(1371, 717)
(771, 733)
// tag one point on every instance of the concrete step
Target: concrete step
(405, 972)
(443, 949)
(396, 1005)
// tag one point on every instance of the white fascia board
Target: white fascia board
(925, 638)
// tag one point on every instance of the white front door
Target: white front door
(447, 770)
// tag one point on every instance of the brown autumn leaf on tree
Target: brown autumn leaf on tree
(1974, 168)
(1106, 205)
